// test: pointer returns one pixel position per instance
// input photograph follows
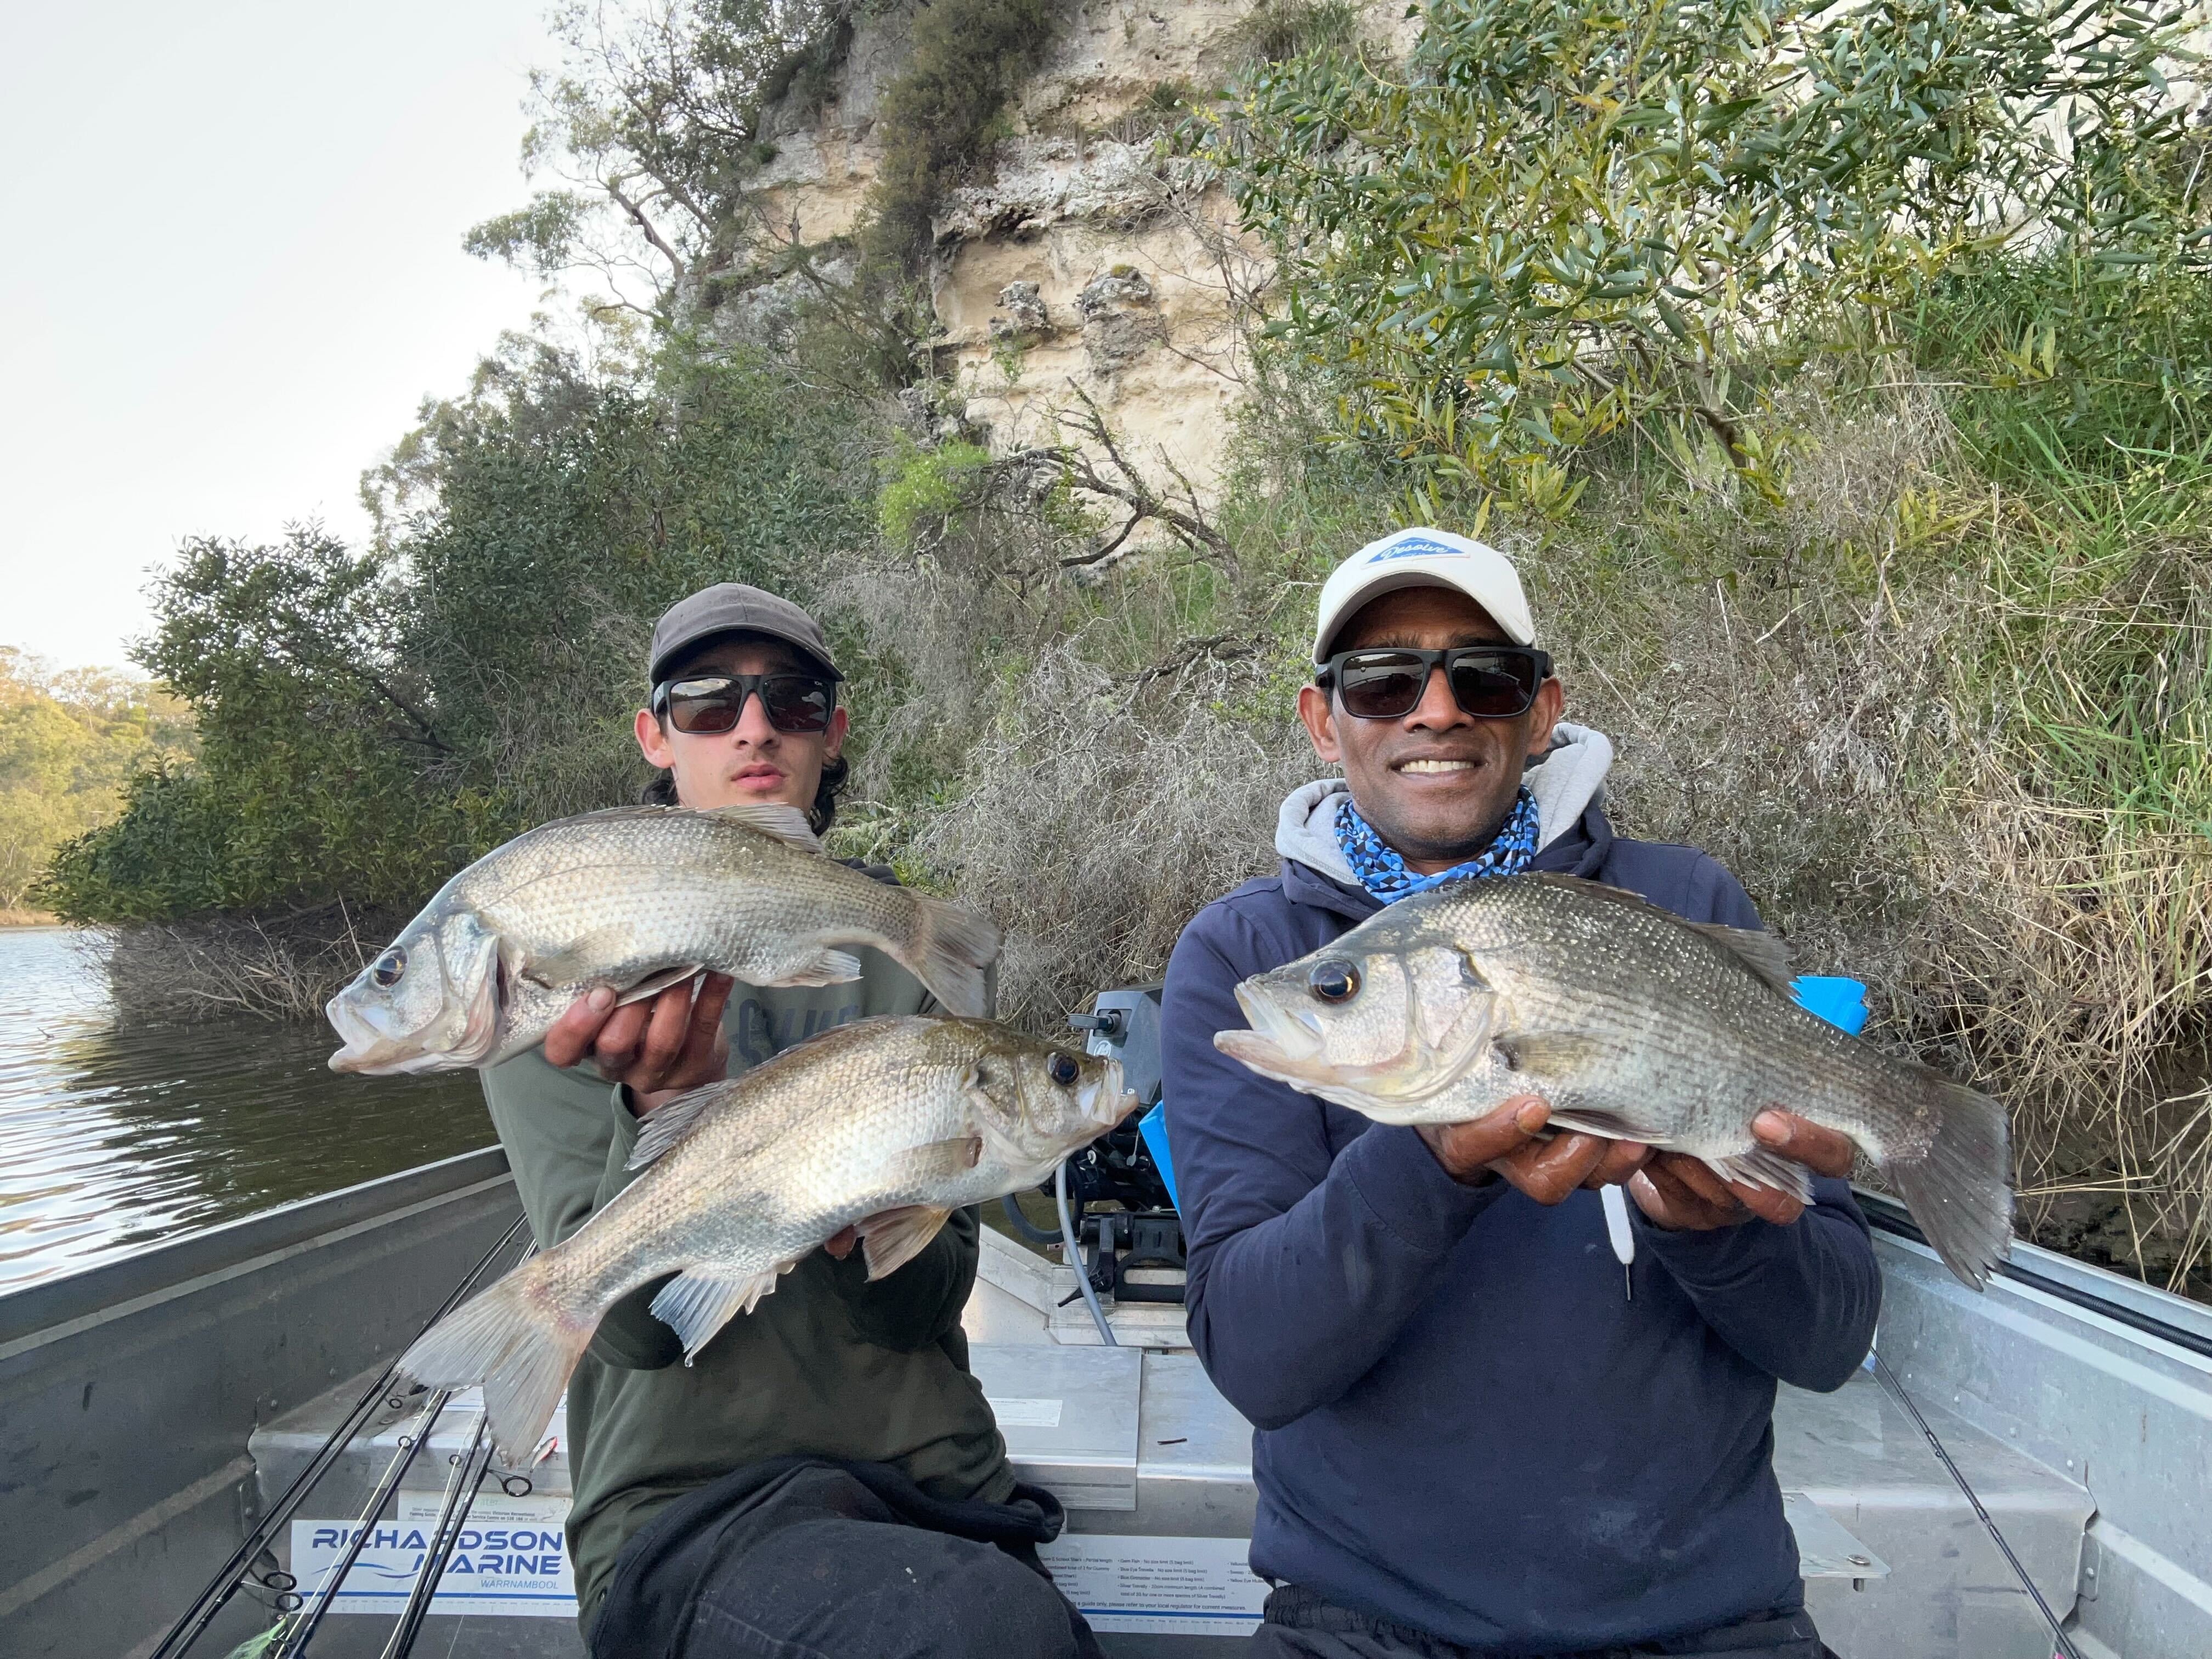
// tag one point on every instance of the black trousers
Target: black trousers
(1300, 1624)
(805, 1559)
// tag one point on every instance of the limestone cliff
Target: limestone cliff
(1079, 259)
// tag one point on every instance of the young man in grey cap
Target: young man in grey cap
(827, 1477)
(1473, 1437)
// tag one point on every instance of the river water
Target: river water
(113, 1136)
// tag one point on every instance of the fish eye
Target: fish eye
(1064, 1069)
(1333, 980)
(387, 968)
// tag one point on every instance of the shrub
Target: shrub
(925, 487)
(964, 60)
(1574, 217)
(373, 720)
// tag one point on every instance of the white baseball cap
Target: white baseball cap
(1424, 558)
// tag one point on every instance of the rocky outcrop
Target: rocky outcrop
(1082, 260)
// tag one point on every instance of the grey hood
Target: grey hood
(1564, 782)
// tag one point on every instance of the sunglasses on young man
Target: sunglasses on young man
(1386, 683)
(703, 704)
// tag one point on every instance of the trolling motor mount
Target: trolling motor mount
(1142, 1229)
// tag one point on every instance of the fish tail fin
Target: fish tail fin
(521, 1340)
(1959, 1189)
(951, 952)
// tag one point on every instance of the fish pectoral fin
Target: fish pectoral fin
(1764, 954)
(1612, 1126)
(828, 967)
(581, 960)
(655, 984)
(1760, 1167)
(937, 1160)
(785, 823)
(892, 1238)
(1555, 1052)
(667, 1125)
(708, 1295)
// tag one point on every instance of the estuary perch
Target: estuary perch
(886, 1125)
(637, 899)
(1633, 1025)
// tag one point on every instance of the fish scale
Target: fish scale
(1631, 1023)
(1695, 1002)
(887, 1124)
(636, 899)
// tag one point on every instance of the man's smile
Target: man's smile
(1432, 765)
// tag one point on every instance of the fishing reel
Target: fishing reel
(1118, 1196)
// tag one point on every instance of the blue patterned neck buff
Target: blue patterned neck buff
(1384, 874)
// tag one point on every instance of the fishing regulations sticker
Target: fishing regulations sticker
(511, 1560)
(1159, 1586)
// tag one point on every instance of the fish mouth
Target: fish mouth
(1279, 1038)
(1106, 1103)
(367, 1052)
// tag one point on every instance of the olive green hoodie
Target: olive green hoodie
(828, 1363)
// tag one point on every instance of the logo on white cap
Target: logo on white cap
(1410, 544)
(1424, 558)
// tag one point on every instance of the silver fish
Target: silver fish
(1634, 1024)
(887, 1125)
(637, 898)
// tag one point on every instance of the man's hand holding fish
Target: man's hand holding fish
(1683, 1194)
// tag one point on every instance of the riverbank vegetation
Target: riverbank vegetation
(70, 742)
(1852, 429)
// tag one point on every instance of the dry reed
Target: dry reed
(1859, 705)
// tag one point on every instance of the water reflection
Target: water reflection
(111, 1137)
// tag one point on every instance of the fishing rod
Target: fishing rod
(294, 1641)
(461, 1489)
(1889, 1381)
(215, 1594)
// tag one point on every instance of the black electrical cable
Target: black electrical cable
(1075, 1258)
(1889, 1381)
(1025, 1227)
(215, 1594)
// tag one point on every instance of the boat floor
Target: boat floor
(1140, 1447)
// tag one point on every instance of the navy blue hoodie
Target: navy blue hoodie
(1464, 1423)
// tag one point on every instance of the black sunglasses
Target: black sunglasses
(707, 703)
(1386, 683)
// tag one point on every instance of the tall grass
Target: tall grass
(1943, 715)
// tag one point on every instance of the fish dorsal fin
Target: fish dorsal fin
(772, 817)
(1764, 954)
(665, 1126)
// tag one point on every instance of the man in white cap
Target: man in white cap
(1472, 1436)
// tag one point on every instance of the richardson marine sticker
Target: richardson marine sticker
(511, 1560)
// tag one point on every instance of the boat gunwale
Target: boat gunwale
(34, 1312)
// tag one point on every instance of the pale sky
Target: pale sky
(233, 270)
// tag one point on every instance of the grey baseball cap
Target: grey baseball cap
(734, 608)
